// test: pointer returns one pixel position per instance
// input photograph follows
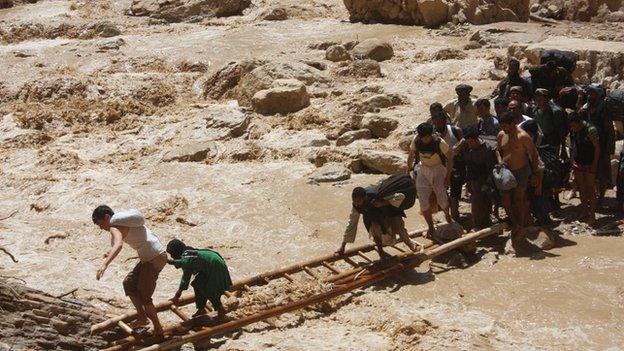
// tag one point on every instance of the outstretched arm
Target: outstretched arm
(116, 245)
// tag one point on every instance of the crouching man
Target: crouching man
(383, 208)
(139, 285)
(212, 278)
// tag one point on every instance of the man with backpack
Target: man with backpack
(513, 79)
(383, 208)
(550, 119)
(432, 161)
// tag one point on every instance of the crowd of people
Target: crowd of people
(542, 135)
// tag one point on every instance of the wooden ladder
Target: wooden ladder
(361, 270)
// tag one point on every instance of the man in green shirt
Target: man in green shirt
(212, 278)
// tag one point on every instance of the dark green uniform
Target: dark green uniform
(212, 278)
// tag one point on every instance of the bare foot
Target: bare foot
(429, 233)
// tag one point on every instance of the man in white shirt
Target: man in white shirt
(140, 283)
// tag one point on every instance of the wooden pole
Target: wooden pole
(406, 261)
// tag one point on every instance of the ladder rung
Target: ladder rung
(364, 256)
(179, 313)
(397, 248)
(289, 278)
(311, 273)
(330, 267)
(350, 261)
(126, 328)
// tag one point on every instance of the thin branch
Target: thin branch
(8, 253)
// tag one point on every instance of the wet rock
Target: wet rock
(384, 162)
(380, 126)
(377, 102)
(181, 10)
(191, 152)
(112, 45)
(243, 79)
(331, 172)
(432, 12)
(337, 53)
(191, 66)
(321, 66)
(4, 4)
(286, 96)
(473, 45)
(540, 237)
(105, 29)
(274, 14)
(447, 54)
(232, 119)
(361, 69)
(373, 49)
(351, 136)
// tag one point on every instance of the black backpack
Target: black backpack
(615, 104)
(565, 59)
(398, 183)
(554, 172)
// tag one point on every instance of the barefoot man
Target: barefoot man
(139, 285)
(432, 160)
(516, 151)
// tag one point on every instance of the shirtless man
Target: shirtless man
(517, 151)
(139, 285)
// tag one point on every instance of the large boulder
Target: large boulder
(353, 135)
(242, 80)
(384, 162)
(379, 126)
(433, 13)
(337, 53)
(373, 49)
(331, 172)
(286, 96)
(181, 10)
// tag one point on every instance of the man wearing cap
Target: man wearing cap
(513, 79)
(462, 110)
(550, 119)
